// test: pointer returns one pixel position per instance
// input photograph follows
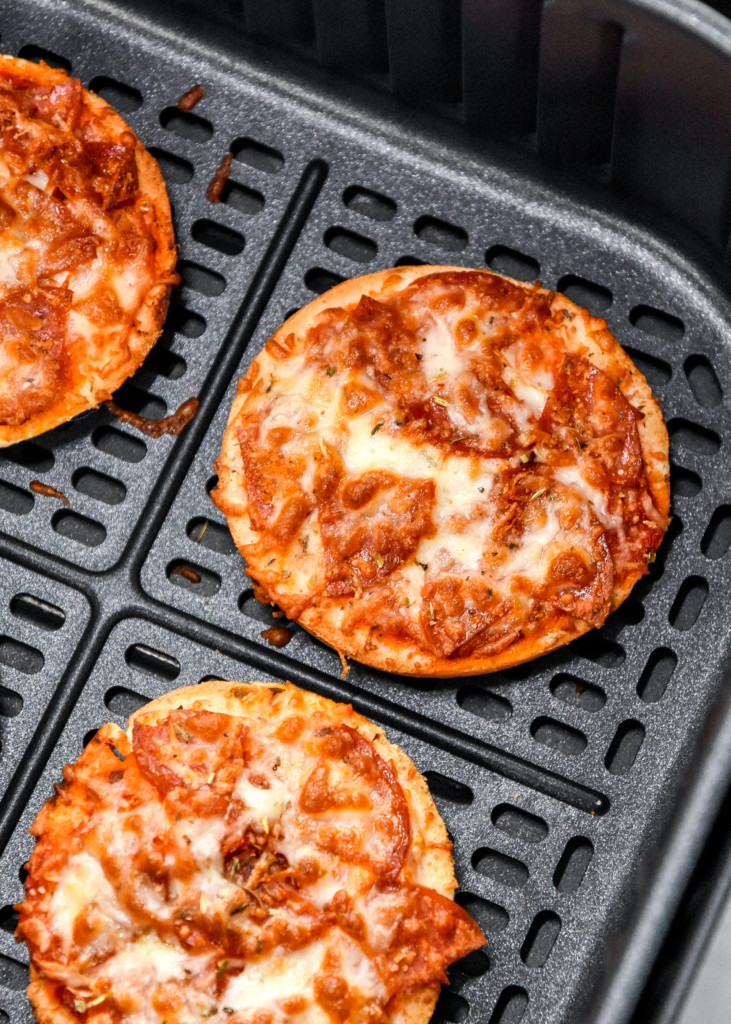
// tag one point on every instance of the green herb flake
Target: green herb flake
(221, 969)
(286, 573)
(80, 1005)
(229, 1010)
(525, 458)
(330, 372)
(376, 428)
(567, 314)
(181, 733)
(209, 1012)
(465, 437)
(378, 559)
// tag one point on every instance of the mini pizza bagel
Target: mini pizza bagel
(444, 472)
(87, 254)
(244, 852)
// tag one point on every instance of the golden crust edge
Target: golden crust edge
(388, 657)
(151, 315)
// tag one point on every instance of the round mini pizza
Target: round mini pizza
(442, 471)
(245, 853)
(87, 254)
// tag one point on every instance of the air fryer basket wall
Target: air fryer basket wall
(585, 144)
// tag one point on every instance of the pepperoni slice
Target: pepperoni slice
(353, 806)
(201, 753)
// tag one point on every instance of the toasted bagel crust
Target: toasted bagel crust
(108, 359)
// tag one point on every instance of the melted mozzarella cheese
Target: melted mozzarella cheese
(366, 452)
(82, 884)
(572, 476)
(265, 805)
(270, 982)
(441, 359)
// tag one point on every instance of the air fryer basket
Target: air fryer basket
(585, 144)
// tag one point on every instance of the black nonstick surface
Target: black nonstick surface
(566, 784)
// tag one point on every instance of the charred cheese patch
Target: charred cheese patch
(259, 854)
(444, 471)
(86, 249)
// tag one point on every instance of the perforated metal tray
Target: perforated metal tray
(570, 786)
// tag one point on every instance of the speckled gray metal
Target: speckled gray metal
(567, 784)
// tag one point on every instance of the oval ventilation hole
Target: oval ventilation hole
(210, 535)
(185, 321)
(599, 649)
(20, 656)
(448, 789)
(79, 529)
(164, 363)
(185, 125)
(137, 400)
(630, 613)
(254, 609)
(703, 381)
(409, 261)
(572, 866)
(519, 824)
(585, 293)
(474, 965)
(577, 692)
(118, 444)
(451, 1006)
(245, 200)
(218, 237)
(8, 920)
(491, 917)
(558, 736)
(541, 939)
(717, 538)
(123, 97)
(201, 279)
(656, 370)
(658, 323)
(484, 703)
(347, 243)
(319, 280)
(369, 204)
(32, 456)
(123, 702)
(13, 975)
(656, 675)
(37, 611)
(152, 662)
(258, 156)
(11, 703)
(501, 868)
(14, 499)
(689, 602)
(625, 747)
(37, 53)
(192, 576)
(175, 170)
(441, 233)
(99, 486)
(89, 736)
(684, 483)
(511, 1006)
(515, 264)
